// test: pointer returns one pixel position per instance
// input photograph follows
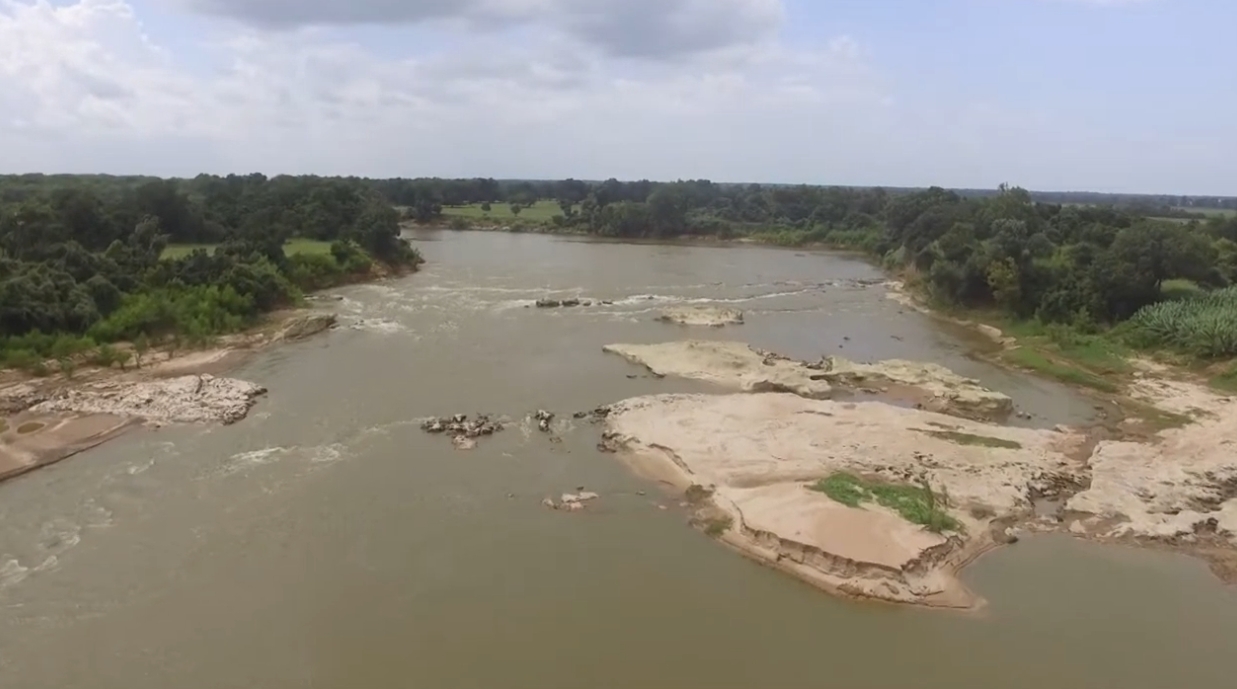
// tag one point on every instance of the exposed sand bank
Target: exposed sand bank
(742, 367)
(760, 452)
(44, 420)
(707, 316)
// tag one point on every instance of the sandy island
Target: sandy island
(762, 449)
(46, 420)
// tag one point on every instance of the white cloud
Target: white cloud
(292, 100)
(630, 28)
(84, 87)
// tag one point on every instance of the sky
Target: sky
(1098, 95)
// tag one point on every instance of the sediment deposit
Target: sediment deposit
(762, 454)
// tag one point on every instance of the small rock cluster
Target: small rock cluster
(463, 431)
(571, 502)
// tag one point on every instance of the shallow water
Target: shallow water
(326, 541)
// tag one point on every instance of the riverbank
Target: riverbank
(769, 461)
(44, 420)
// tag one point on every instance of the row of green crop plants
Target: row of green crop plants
(179, 317)
(1203, 325)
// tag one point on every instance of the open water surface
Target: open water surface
(326, 542)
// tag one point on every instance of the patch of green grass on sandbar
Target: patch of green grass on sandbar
(916, 504)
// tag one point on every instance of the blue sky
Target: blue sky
(1106, 95)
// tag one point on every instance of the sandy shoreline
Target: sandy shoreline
(760, 449)
(46, 420)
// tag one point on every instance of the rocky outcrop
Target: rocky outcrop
(946, 391)
(739, 366)
(709, 316)
(19, 397)
(305, 325)
(760, 454)
(185, 399)
(728, 364)
(1181, 486)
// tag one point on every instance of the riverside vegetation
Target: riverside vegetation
(87, 261)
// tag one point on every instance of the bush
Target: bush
(313, 271)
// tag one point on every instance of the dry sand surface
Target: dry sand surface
(761, 452)
(709, 316)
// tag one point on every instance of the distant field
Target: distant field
(294, 246)
(540, 211)
(1210, 211)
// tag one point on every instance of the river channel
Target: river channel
(327, 542)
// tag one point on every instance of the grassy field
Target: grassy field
(294, 246)
(541, 211)
(1227, 212)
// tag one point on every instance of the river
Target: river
(327, 542)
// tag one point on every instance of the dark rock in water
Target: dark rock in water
(594, 415)
(543, 419)
(562, 303)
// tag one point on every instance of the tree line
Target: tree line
(83, 264)
(79, 251)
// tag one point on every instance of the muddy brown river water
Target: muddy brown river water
(327, 542)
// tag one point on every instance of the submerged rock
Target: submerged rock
(701, 315)
(186, 399)
(571, 502)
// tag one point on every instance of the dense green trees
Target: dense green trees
(81, 258)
